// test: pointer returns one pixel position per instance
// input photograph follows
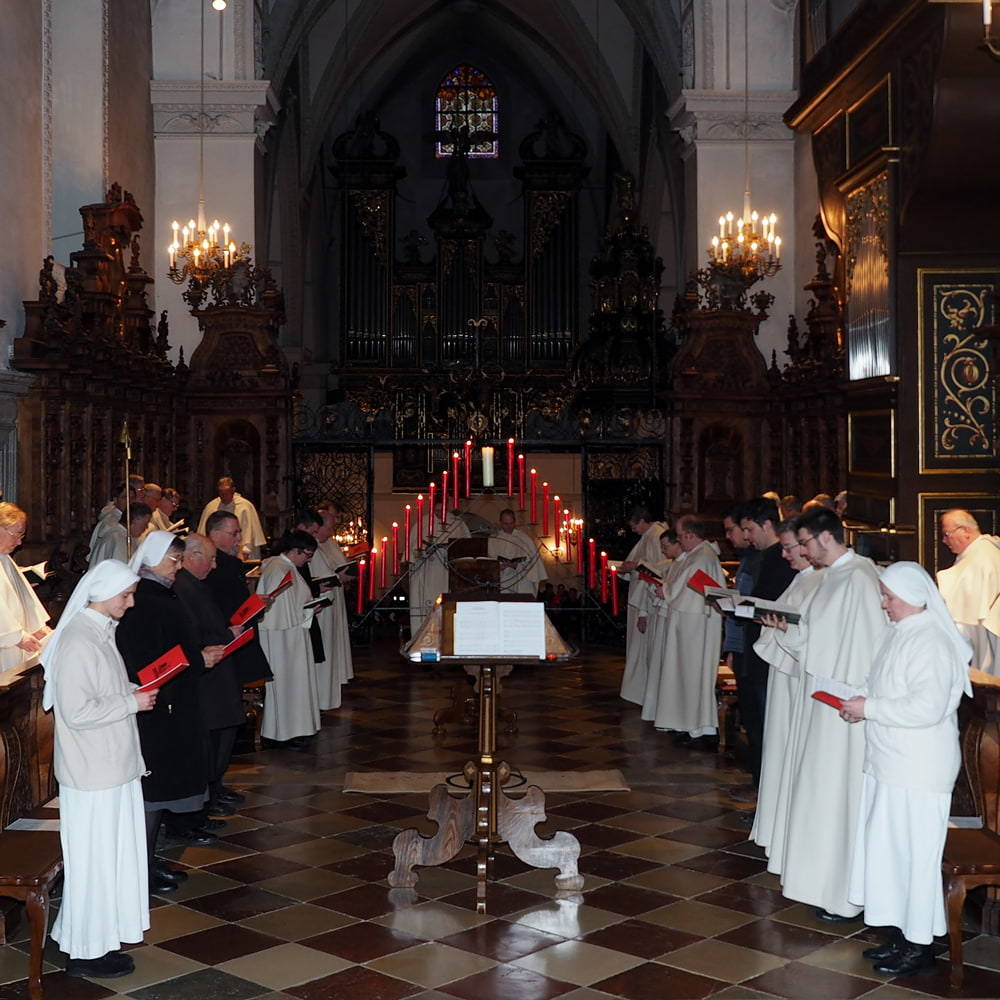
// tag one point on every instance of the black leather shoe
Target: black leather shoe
(160, 867)
(911, 960)
(836, 918)
(707, 743)
(110, 966)
(682, 740)
(213, 824)
(222, 808)
(196, 838)
(232, 796)
(883, 951)
(161, 883)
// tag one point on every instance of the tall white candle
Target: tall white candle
(487, 466)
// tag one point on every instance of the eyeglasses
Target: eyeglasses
(14, 533)
(789, 548)
(948, 534)
(805, 541)
(176, 559)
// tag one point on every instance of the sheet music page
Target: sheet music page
(477, 631)
(522, 629)
(839, 688)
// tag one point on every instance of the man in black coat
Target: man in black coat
(227, 584)
(760, 520)
(221, 690)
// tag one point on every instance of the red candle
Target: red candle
(604, 578)
(545, 509)
(372, 566)
(534, 496)
(454, 479)
(444, 497)
(568, 534)
(614, 590)
(406, 532)
(520, 482)
(555, 516)
(430, 511)
(361, 586)
(592, 571)
(510, 467)
(384, 564)
(579, 548)
(395, 548)
(468, 468)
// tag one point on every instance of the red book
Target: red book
(255, 605)
(162, 669)
(829, 699)
(700, 580)
(238, 643)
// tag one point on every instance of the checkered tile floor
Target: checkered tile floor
(292, 901)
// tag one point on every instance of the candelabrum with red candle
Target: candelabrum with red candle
(468, 469)
(545, 510)
(361, 586)
(534, 495)
(510, 467)
(604, 578)
(592, 564)
(520, 482)
(455, 479)
(395, 548)
(579, 548)
(383, 566)
(614, 590)
(444, 497)
(372, 570)
(407, 549)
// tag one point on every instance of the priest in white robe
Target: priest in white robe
(680, 690)
(647, 552)
(784, 709)
(23, 629)
(291, 700)
(232, 502)
(912, 757)
(651, 613)
(429, 572)
(521, 567)
(330, 563)
(971, 587)
(841, 628)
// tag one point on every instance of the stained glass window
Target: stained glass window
(467, 97)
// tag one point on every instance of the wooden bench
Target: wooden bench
(30, 862)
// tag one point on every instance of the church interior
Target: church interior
(569, 258)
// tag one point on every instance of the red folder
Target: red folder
(238, 643)
(162, 669)
(829, 699)
(700, 580)
(255, 605)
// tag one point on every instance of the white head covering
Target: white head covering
(911, 582)
(152, 550)
(104, 581)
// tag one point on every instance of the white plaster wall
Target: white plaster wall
(21, 164)
(77, 119)
(771, 32)
(177, 39)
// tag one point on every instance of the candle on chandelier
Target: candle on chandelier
(372, 567)
(533, 475)
(395, 548)
(520, 482)
(555, 521)
(579, 548)
(488, 480)
(604, 578)
(468, 469)
(455, 477)
(444, 497)
(383, 566)
(568, 534)
(592, 570)
(430, 511)
(361, 586)
(614, 590)
(545, 510)
(420, 520)
(510, 467)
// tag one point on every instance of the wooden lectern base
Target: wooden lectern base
(486, 816)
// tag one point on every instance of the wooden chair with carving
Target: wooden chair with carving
(972, 857)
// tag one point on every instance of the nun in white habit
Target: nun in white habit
(911, 761)
(99, 766)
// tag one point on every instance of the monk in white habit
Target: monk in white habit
(430, 572)
(647, 552)
(971, 587)
(164, 509)
(784, 707)
(99, 767)
(291, 700)
(23, 629)
(232, 502)
(115, 542)
(841, 628)
(651, 609)
(680, 694)
(521, 568)
(912, 757)
(329, 563)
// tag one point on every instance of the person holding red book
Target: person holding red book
(912, 758)
(98, 764)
